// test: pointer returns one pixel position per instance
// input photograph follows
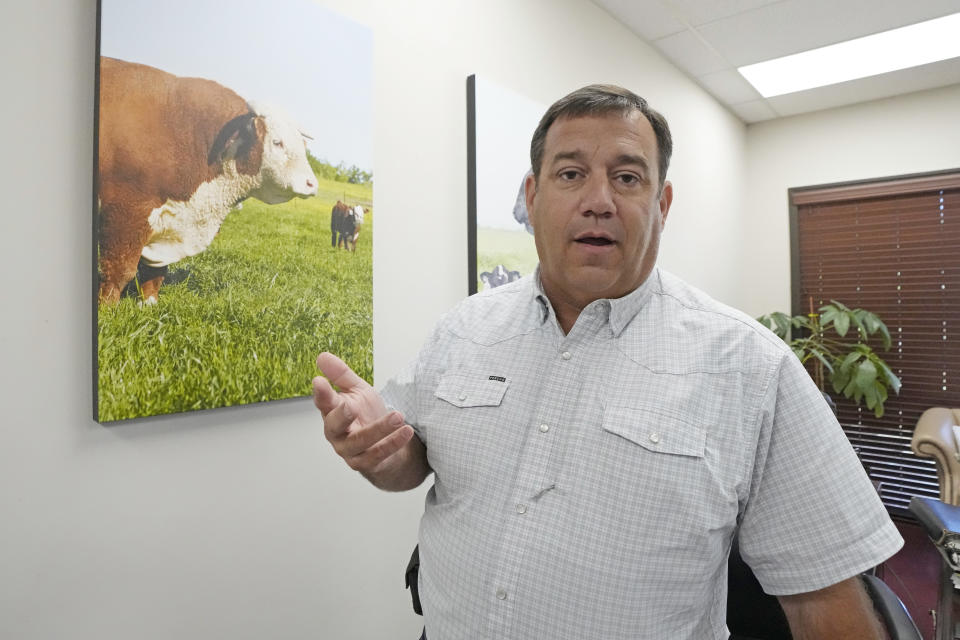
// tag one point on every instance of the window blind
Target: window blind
(893, 248)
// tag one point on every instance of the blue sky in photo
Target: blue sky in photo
(315, 64)
(505, 123)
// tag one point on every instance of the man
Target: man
(599, 432)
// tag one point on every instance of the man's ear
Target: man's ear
(530, 192)
(666, 199)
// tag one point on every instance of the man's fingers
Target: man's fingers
(362, 439)
(383, 449)
(324, 397)
(337, 371)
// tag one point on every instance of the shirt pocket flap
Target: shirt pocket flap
(472, 391)
(655, 431)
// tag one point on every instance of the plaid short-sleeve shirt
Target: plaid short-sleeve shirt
(589, 485)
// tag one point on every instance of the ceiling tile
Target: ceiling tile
(754, 111)
(649, 19)
(698, 12)
(791, 26)
(708, 39)
(728, 86)
(689, 53)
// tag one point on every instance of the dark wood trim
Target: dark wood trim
(861, 189)
(95, 257)
(796, 303)
(472, 184)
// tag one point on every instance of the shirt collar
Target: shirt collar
(620, 310)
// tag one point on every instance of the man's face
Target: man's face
(596, 208)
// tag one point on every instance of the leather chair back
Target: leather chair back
(934, 438)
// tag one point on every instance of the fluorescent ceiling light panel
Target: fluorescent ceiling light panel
(910, 46)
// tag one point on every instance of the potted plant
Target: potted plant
(848, 363)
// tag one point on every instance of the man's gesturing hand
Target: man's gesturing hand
(371, 439)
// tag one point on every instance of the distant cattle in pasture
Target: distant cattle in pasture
(176, 155)
(345, 223)
(498, 277)
(337, 215)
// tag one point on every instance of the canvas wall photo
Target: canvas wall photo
(233, 213)
(504, 122)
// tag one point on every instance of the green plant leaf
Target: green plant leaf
(881, 391)
(848, 361)
(891, 379)
(822, 357)
(783, 323)
(841, 324)
(872, 321)
(852, 367)
(870, 395)
(866, 374)
(828, 314)
(840, 379)
(852, 391)
(857, 316)
(778, 322)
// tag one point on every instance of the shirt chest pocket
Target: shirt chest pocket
(465, 391)
(655, 431)
(466, 428)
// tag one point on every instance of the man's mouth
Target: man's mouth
(595, 241)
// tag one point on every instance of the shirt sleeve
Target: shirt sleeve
(402, 392)
(813, 518)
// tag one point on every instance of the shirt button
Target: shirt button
(544, 428)
(462, 397)
(654, 438)
(521, 508)
(565, 355)
(501, 594)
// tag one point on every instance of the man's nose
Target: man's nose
(597, 197)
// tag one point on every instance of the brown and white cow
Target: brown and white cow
(338, 215)
(175, 156)
(356, 217)
(345, 223)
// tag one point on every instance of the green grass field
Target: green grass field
(515, 250)
(244, 320)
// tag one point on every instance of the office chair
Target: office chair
(934, 438)
(941, 522)
(753, 614)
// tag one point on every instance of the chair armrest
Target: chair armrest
(941, 521)
(938, 518)
(899, 624)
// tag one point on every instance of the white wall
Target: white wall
(241, 522)
(908, 134)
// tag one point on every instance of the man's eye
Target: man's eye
(628, 178)
(570, 174)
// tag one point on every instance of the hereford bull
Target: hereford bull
(175, 156)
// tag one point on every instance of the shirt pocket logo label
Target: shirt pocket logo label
(464, 391)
